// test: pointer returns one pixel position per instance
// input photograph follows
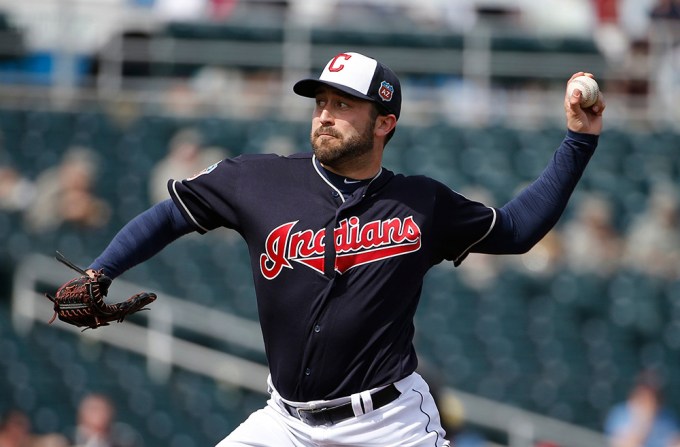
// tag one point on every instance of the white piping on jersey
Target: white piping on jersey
(373, 179)
(342, 196)
(323, 177)
(174, 182)
(493, 223)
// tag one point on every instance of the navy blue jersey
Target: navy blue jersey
(337, 280)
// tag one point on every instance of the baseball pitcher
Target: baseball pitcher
(339, 247)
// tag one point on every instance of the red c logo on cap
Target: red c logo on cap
(332, 68)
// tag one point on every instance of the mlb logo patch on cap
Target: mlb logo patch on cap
(359, 76)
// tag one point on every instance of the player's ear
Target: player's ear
(384, 124)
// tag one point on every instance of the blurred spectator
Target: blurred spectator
(180, 99)
(636, 73)
(50, 440)
(665, 36)
(96, 425)
(643, 420)
(666, 10)
(16, 192)
(186, 157)
(457, 15)
(544, 258)
(214, 88)
(464, 437)
(606, 11)
(479, 271)
(668, 82)
(635, 21)
(181, 10)
(609, 35)
(634, 17)
(15, 429)
(559, 17)
(64, 194)
(304, 11)
(653, 238)
(221, 9)
(591, 243)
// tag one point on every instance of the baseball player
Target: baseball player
(339, 247)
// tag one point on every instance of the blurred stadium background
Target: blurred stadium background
(521, 351)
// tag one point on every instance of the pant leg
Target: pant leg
(263, 428)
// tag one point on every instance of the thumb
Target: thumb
(104, 283)
(575, 98)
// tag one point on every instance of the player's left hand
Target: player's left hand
(80, 301)
(579, 119)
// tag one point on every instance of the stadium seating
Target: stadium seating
(48, 372)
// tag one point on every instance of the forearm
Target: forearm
(528, 217)
(142, 238)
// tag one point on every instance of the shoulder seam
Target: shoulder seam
(467, 250)
(184, 207)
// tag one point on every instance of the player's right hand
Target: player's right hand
(583, 120)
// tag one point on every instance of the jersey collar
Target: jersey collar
(330, 179)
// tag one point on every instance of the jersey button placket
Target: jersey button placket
(317, 328)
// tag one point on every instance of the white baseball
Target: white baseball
(590, 91)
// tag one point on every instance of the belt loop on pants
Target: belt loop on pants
(333, 415)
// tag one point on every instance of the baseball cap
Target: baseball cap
(359, 76)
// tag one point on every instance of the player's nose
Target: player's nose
(326, 116)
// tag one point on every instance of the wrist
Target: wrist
(581, 137)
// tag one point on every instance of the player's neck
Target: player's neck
(353, 174)
(362, 168)
(347, 186)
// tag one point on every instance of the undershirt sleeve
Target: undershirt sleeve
(528, 217)
(142, 237)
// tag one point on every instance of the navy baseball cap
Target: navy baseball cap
(359, 76)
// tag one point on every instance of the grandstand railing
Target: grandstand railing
(152, 334)
(475, 61)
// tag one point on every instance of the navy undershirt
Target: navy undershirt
(143, 237)
(347, 186)
(522, 222)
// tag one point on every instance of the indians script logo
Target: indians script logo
(355, 245)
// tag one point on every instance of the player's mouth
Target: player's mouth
(325, 137)
(321, 132)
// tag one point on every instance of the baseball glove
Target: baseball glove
(80, 302)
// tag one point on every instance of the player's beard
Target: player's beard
(340, 151)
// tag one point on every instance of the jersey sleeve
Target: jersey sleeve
(460, 223)
(529, 216)
(209, 199)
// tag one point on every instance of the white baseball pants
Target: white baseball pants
(412, 420)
